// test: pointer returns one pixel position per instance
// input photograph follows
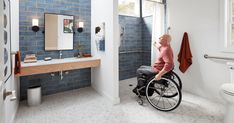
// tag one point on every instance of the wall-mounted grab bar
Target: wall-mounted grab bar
(13, 52)
(217, 57)
(133, 51)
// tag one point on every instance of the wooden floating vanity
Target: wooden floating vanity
(56, 65)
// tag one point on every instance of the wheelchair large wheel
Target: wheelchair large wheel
(177, 79)
(166, 97)
(163, 83)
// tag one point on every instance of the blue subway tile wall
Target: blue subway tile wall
(146, 38)
(33, 43)
(135, 49)
(132, 39)
(130, 51)
(53, 84)
(128, 64)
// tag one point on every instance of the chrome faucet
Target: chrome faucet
(60, 54)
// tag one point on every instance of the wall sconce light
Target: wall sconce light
(35, 25)
(80, 27)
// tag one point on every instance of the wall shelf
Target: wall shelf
(56, 65)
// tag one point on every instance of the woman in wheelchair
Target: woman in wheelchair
(160, 85)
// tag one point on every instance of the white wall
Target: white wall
(201, 19)
(13, 82)
(105, 79)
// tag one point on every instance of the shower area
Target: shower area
(136, 20)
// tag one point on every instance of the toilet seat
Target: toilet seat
(228, 88)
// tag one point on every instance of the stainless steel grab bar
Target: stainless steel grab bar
(13, 52)
(217, 57)
(133, 51)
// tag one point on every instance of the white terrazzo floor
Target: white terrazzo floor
(86, 106)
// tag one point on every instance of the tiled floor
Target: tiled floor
(86, 106)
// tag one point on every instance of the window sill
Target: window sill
(227, 50)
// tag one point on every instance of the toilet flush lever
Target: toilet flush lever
(8, 93)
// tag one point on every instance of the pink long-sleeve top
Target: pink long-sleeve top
(165, 59)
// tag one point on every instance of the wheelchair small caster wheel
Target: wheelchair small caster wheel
(140, 102)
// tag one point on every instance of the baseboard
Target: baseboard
(13, 117)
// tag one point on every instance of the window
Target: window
(129, 7)
(232, 23)
(148, 7)
(227, 25)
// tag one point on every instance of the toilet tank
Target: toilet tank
(231, 70)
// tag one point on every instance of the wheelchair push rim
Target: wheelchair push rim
(162, 98)
(175, 76)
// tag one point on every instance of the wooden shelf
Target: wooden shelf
(57, 65)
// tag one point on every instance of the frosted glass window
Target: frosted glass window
(148, 7)
(129, 7)
(232, 35)
(232, 16)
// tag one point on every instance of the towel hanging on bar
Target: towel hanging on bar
(185, 55)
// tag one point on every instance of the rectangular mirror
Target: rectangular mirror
(58, 32)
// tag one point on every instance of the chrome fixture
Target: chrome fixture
(8, 93)
(66, 72)
(60, 54)
(217, 57)
(52, 74)
(61, 74)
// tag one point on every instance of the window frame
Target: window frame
(226, 26)
(142, 8)
(139, 10)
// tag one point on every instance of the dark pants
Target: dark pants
(145, 70)
(145, 74)
(148, 72)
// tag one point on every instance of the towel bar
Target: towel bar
(13, 52)
(217, 57)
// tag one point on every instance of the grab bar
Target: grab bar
(13, 52)
(133, 51)
(217, 57)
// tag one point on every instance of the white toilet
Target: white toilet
(227, 92)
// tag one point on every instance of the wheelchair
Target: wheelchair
(164, 95)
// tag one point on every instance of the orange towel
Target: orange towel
(185, 55)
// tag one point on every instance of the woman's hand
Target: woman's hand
(158, 77)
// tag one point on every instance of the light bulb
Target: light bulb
(35, 22)
(81, 25)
